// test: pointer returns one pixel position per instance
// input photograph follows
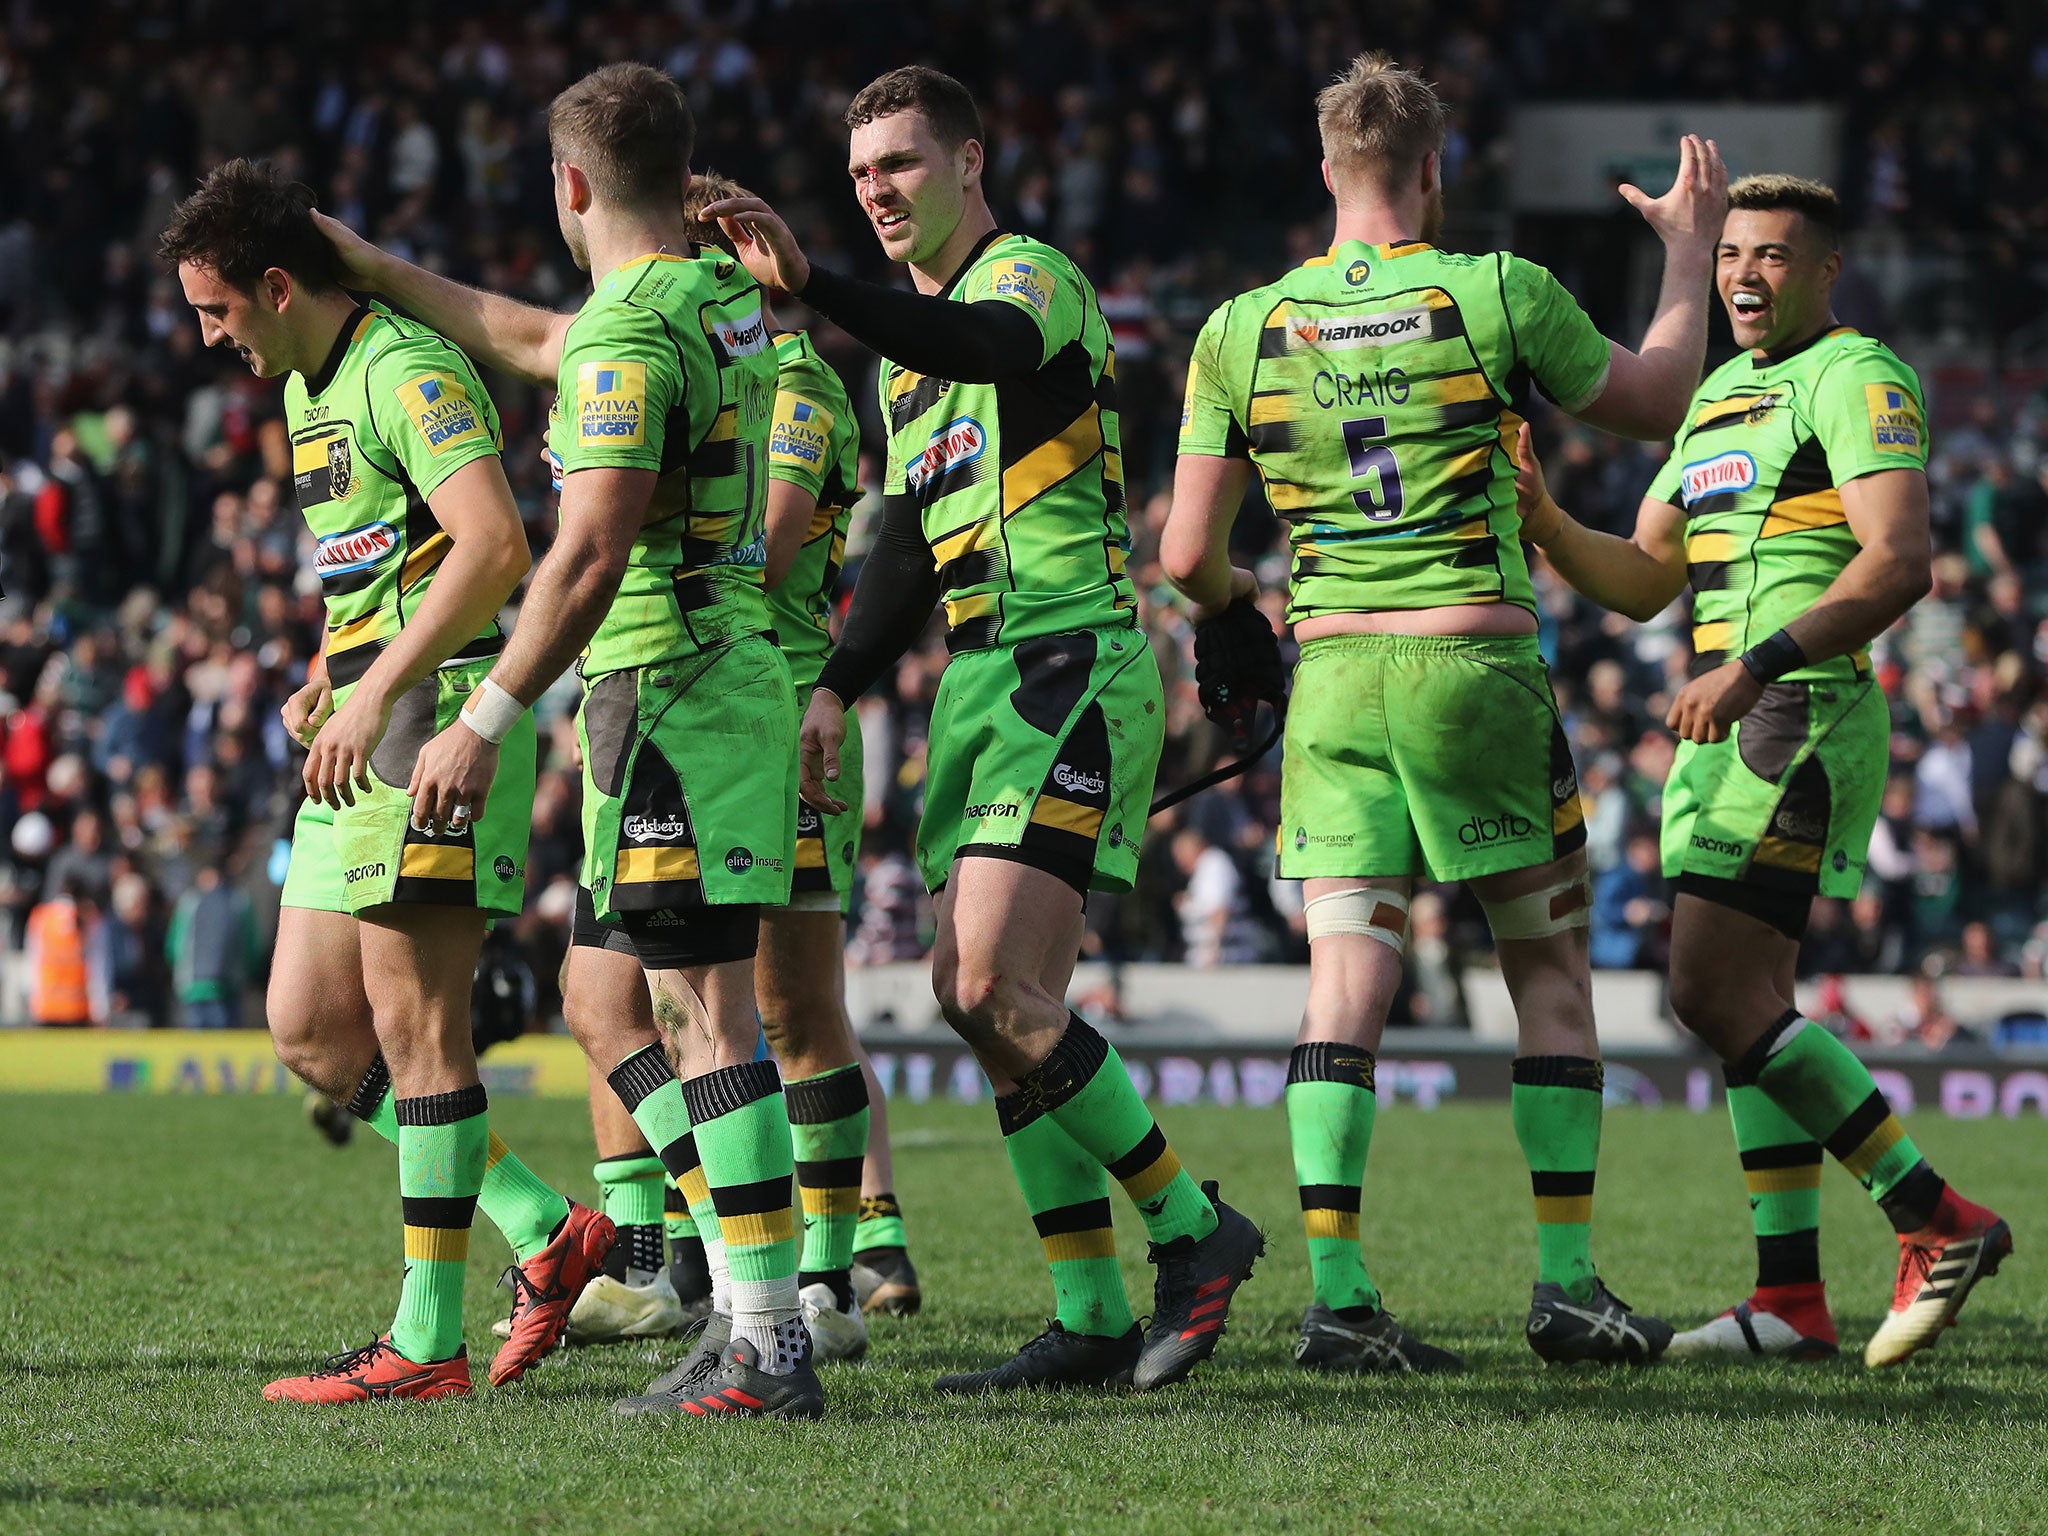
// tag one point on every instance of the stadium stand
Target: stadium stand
(157, 609)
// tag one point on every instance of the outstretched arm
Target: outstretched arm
(520, 339)
(1639, 576)
(1647, 390)
(1194, 548)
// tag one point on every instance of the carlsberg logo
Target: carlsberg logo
(1079, 780)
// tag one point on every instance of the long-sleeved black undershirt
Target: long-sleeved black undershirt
(942, 338)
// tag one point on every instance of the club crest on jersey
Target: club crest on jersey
(441, 411)
(1724, 473)
(1345, 333)
(959, 442)
(1894, 419)
(341, 469)
(1024, 280)
(611, 405)
(740, 335)
(356, 550)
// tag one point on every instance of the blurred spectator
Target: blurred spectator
(67, 961)
(214, 951)
(1630, 910)
(1216, 925)
(1924, 1019)
(1832, 1012)
(1435, 977)
(138, 975)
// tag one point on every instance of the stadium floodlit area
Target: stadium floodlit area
(176, 1252)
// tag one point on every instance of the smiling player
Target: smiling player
(1795, 503)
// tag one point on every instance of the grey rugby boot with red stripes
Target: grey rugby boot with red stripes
(1191, 1296)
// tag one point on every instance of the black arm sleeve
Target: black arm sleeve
(893, 599)
(967, 343)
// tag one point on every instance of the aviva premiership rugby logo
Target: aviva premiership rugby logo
(1723, 474)
(441, 411)
(611, 404)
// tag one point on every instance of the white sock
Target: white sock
(721, 1277)
(769, 1316)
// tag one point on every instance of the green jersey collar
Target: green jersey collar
(351, 328)
(1772, 359)
(967, 262)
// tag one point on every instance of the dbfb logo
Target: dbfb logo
(1482, 830)
(959, 442)
(1329, 333)
(1723, 474)
(356, 550)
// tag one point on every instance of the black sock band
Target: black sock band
(1913, 1200)
(1789, 1258)
(639, 1075)
(444, 1108)
(680, 1158)
(1014, 1111)
(371, 1090)
(1067, 1069)
(730, 1088)
(673, 1202)
(1757, 1057)
(1326, 1061)
(1560, 1072)
(688, 1269)
(452, 1212)
(830, 1096)
(840, 1282)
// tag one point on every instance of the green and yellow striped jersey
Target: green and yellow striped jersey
(814, 442)
(1758, 470)
(668, 367)
(394, 411)
(1020, 483)
(1374, 389)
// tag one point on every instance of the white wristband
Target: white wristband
(491, 712)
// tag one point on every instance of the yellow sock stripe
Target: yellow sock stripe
(497, 1150)
(1564, 1210)
(758, 1229)
(1152, 1178)
(1325, 1223)
(446, 1245)
(695, 1187)
(832, 1202)
(1874, 1146)
(1098, 1243)
(1782, 1181)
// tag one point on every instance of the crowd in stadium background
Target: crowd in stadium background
(159, 604)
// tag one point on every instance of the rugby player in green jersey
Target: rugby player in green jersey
(1004, 496)
(1376, 392)
(666, 381)
(395, 461)
(841, 1148)
(1795, 504)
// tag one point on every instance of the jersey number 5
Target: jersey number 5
(1380, 499)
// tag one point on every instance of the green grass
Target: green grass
(164, 1257)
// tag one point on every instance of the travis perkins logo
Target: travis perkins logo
(1481, 830)
(1333, 334)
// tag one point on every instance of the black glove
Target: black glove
(1237, 663)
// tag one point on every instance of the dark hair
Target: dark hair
(708, 187)
(245, 219)
(1814, 201)
(947, 105)
(628, 128)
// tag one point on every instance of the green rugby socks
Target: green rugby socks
(1330, 1109)
(442, 1141)
(1083, 1085)
(742, 1132)
(828, 1128)
(881, 1224)
(516, 1201)
(630, 1190)
(1067, 1193)
(1818, 1082)
(1555, 1101)
(1781, 1167)
(652, 1096)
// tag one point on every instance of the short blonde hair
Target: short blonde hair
(1814, 201)
(1378, 120)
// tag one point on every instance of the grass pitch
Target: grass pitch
(166, 1256)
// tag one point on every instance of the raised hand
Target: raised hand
(1691, 212)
